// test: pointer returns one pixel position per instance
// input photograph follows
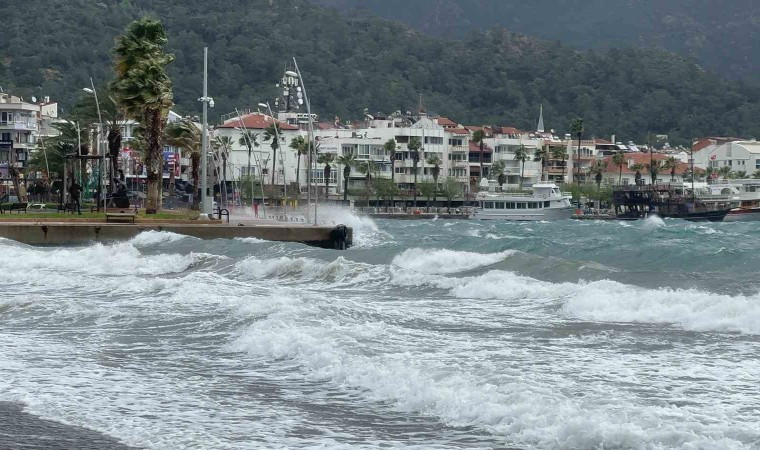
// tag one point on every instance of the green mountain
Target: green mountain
(352, 62)
(723, 36)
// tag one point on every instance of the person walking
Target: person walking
(75, 190)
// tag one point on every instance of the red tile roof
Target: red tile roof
(506, 130)
(601, 141)
(445, 122)
(255, 121)
(475, 147)
(458, 130)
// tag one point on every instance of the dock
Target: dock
(33, 232)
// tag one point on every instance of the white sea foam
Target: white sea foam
(439, 261)
(153, 237)
(653, 222)
(521, 409)
(610, 301)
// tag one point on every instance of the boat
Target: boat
(544, 202)
(634, 202)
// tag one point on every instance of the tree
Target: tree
(598, 168)
(144, 90)
(740, 174)
(756, 174)
(479, 137)
(709, 172)
(187, 136)
(577, 129)
(347, 161)
(498, 169)
(414, 146)
(366, 167)
(618, 159)
(451, 189)
(559, 153)
(390, 148)
(428, 190)
(671, 163)
(541, 154)
(724, 172)
(385, 189)
(326, 159)
(223, 146)
(653, 167)
(436, 162)
(521, 155)
(271, 134)
(301, 147)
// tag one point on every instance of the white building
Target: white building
(740, 156)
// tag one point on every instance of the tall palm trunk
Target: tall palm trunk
(327, 182)
(274, 163)
(346, 174)
(298, 172)
(522, 171)
(153, 161)
(414, 203)
(480, 177)
(620, 175)
(224, 178)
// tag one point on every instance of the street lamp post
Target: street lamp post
(91, 90)
(310, 140)
(207, 101)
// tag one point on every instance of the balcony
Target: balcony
(459, 149)
(460, 163)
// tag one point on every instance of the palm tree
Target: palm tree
(724, 171)
(186, 135)
(250, 140)
(347, 161)
(541, 154)
(223, 145)
(390, 148)
(709, 173)
(618, 159)
(326, 159)
(144, 90)
(598, 168)
(479, 137)
(436, 162)
(741, 174)
(498, 168)
(671, 163)
(270, 134)
(559, 153)
(366, 168)
(301, 147)
(521, 155)
(414, 146)
(756, 174)
(653, 167)
(577, 129)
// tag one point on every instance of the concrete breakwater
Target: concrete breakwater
(67, 233)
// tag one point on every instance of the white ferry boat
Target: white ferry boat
(546, 202)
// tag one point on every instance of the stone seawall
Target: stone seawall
(67, 233)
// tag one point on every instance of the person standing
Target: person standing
(75, 190)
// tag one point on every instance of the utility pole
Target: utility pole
(205, 203)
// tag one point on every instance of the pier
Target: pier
(43, 232)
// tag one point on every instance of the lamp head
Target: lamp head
(88, 90)
(264, 105)
(290, 73)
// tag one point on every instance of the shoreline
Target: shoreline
(22, 430)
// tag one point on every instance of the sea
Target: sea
(426, 334)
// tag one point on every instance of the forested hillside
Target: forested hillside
(51, 47)
(724, 36)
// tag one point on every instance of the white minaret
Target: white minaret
(540, 128)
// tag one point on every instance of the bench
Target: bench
(118, 216)
(17, 207)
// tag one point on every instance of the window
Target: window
(364, 150)
(6, 117)
(488, 205)
(456, 142)
(7, 137)
(757, 164)
(499, 205)
(348, 149)
(546, 204)
(402, 139)
(433, 140)
(520, 205)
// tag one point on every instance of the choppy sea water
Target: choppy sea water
(427, 334)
